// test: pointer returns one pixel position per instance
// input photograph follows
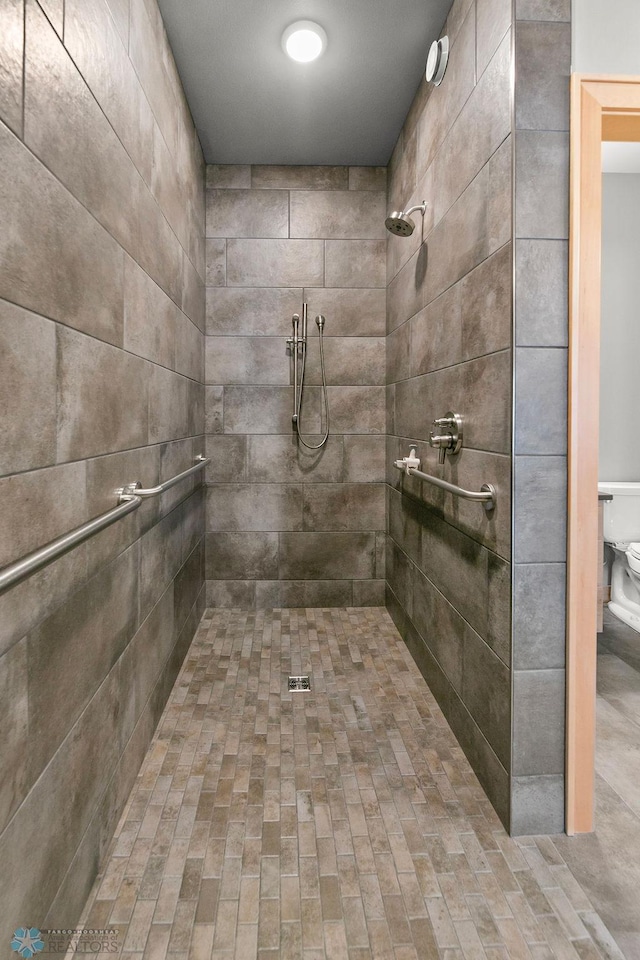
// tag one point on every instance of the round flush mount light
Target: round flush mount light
(304, 41)
(437, 61)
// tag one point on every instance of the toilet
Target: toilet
(622, 533)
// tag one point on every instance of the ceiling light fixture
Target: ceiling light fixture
(304, 41)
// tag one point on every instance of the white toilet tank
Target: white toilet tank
(622, 514)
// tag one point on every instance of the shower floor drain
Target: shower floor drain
(299, 683)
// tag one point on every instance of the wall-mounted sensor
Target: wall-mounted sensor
(437, 61)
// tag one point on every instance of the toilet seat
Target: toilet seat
(634, 550)
(634, 562)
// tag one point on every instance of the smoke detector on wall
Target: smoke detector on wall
(437, 61)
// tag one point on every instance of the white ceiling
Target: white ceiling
(252, 104)
(619, 157)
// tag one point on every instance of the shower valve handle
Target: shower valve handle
(449, 441)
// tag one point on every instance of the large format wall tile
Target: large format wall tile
(90, 631)
(102, 317)
(11, 55)
(354, 263)
(349, 312)
(92, 39)
(169, 405)
(245, 213)
(486, 692)
(445, 102)
(344, 506)
(541, 401)
(32, 512)
(253, 410)
(150, 317)
(95, 168)
(540, 535)
(493, 19)
(14, 748)
(357, 409)
(537, 805)
(39, 869)
(251, 312)
(144, 40)
(538, 722)
(74, 271)
(544, 10)
(254, 506)
(540, 614)
(232, 556)
(327, 556)
(544, 57)
(95, 412)
(281, 459)
(282, 233)
(353, 361)
(542, 170)
(486, 305)
(275, 263)
(449, 347)
(542, 282)
(540, 429)
(27, 389)
(299, 178)
(250, 360)
(484, 122)
(331, 214)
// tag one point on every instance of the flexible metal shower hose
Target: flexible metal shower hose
(314, 446)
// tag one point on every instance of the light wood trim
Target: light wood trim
(595, 101)
(621, 126)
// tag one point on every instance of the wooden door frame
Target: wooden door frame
(602, 108)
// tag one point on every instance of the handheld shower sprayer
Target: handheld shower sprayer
(298, 344)
(400, 223)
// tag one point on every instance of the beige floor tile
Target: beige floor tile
(266, 825)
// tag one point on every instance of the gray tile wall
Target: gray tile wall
(449, 347)
(286, 526)
(485, 616)
(542, 68)
(101, 368)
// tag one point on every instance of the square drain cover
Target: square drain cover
(299, 683)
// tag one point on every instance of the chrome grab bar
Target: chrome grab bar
(129, 499)
(486, 495)
(138, 491)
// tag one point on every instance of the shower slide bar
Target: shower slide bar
(130, 497)
(486, 495)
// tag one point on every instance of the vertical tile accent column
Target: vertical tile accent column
(542, 67)
(101, 369)
(288, 526)
(449, 347)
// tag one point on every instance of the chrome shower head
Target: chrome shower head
(400, 223)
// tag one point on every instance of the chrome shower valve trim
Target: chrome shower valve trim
(450, 440)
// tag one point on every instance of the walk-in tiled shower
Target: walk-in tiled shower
(147, 299)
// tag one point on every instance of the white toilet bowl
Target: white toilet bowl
(622, 533)
(625, 584)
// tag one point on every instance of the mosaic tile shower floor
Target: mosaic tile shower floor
(340, 823)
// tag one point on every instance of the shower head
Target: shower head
(400, 223)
